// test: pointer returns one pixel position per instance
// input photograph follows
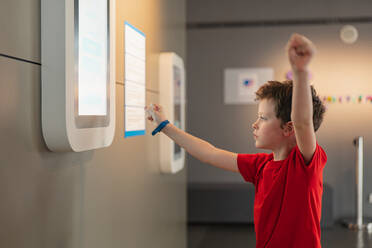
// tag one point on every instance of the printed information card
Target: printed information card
(134, 81)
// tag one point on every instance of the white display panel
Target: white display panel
(135, 81)
(78, 74)
(172, 96)
(93, 54)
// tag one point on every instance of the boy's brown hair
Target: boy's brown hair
(281, 93)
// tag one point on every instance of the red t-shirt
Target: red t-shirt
(288, 198)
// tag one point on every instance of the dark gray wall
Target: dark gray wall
(111, 197)
(237, 10)
(338, 69)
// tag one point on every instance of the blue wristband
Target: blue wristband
(160, 127)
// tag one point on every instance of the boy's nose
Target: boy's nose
(254, 125)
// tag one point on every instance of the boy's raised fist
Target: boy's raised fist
(300, 51)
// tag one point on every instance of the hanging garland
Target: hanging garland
(337, 99)
(347, 99)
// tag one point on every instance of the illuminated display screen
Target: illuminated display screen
(93, 57)
(177, 105)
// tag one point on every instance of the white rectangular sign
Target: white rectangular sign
(240, 84)
(135, 81)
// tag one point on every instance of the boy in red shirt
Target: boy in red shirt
(288, 182)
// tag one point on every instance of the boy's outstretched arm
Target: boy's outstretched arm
(198, 148)
(300, 52)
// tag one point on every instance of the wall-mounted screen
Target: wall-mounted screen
(92, 68)
(78, 74)
(172, 97)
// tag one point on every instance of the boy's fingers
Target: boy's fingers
(294, 40)
(299, 40)
(291, 51)
(300, 50)
(305, 43)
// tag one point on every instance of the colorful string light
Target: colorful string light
(347, 99)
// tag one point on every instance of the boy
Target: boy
(288, 182)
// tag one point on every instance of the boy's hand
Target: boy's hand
(155, 113)
(300, 51)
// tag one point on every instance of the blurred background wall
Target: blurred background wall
(337, 69)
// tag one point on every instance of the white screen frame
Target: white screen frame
(58, 88)
(171, 162)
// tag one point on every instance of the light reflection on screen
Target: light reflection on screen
(177, 105)
(93, 49)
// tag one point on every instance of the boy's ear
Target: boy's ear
(288, 129)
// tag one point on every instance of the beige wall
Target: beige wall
(112, 197)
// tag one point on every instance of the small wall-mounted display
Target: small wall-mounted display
(172, 97)
(78, 73)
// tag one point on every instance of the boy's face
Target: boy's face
(267, 128)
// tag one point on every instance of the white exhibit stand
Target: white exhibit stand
(360, 222)
(172, 97)
(78, 74)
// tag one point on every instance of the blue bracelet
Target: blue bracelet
(160, 127)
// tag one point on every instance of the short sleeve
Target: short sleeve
(248, 165)
(318, 160)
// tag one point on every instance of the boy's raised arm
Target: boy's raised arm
(202, 150)
(300, 52)
(198, 148)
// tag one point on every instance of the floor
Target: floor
(243, 236)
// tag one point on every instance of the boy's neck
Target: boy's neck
(282, 152)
